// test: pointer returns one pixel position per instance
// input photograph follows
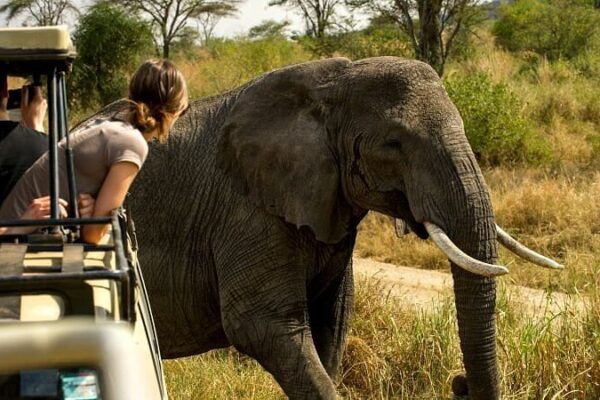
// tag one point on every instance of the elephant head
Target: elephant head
(320, 144)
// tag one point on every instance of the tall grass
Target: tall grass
(227, 64)
(221, 374)
(397, 352)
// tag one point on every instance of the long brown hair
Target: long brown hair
(158, 94)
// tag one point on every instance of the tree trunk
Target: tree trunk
(429, 24)
(166, 49)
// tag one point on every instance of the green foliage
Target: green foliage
(382, 39)
(186, 44)
(493, 122)
(594, 141)
(169, 19)
(268, 28)
(463, 46)
(588, 61)
(554, 28)
(110, 44)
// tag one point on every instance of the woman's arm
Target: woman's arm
(33, 107)
(111, 196)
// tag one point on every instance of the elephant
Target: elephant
(247, 217)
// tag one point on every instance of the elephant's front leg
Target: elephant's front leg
(265, 315)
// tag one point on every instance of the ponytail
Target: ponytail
(158, 94)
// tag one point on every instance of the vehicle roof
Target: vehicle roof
(25, 51)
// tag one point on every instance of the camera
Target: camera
(14, 97)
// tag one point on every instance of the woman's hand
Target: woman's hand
(33, 107)
(40, 209)
(37, 209)
(86, 204)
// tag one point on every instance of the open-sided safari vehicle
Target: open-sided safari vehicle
(75, 321)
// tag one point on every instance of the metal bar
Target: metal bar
(128, 281)
(91, 275)
(53, 145)
(60, 121)
(64, 132)
(56, 222)
(118, 243)
(55, 269)
(36, 248)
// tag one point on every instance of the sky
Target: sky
(252, 13)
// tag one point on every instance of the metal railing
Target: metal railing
(48, 278)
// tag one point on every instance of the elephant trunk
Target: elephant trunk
(462, 209)
(475, 307)
(475, 234)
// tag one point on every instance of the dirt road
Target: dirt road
(422, 288)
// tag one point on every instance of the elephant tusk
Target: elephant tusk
(522, 251)
(401, 227)
(458, 257)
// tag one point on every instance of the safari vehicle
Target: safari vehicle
(75, 321)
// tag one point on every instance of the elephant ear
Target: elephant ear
(274, 146)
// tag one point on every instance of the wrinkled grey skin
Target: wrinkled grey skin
(313, 146)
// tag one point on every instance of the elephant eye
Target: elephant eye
(393, 144)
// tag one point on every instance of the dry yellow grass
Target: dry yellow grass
(377, 240)
(217, 375)
(233, 63)
(559, 216)
(394, 352)
(555, 215)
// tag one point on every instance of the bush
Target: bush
(493, 122)
(185, 46)
(109, 44)
(381, 39)
(554, 28)
(588, 62)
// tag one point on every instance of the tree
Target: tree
(207, 23)
(185, 44)
(431, 25)
(110, 45)
(553, 28)
(170, 17)
(319, 15)
(268, 28)
(41, 12)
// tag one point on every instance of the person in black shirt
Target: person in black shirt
(21, 144)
